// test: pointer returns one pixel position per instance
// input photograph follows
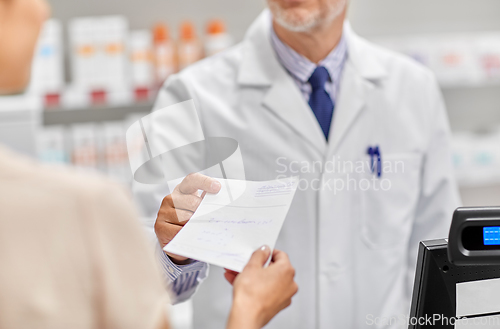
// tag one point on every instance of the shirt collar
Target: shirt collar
(302, 68)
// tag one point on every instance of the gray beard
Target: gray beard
(314, 19)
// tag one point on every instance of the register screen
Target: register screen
(491, 235)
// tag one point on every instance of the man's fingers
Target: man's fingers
(259, 257)
(195, 181)
(177, 216)
(166, 232)
(174, 216)
(188, 202)
(231, 271)
(230, 276)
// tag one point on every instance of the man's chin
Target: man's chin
(295, 19)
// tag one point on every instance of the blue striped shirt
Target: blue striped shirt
(182, 280)
(300, 68)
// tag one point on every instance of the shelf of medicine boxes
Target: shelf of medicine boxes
(93, 114)
(470, 85)
(60, 116)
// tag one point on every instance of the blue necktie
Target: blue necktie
(320, 101)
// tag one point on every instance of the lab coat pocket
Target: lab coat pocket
(388, 206)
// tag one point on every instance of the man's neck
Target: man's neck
(316, 44)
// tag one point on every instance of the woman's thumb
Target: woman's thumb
(259, 257)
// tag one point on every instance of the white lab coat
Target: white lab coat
(354, 251)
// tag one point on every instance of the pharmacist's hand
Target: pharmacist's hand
(261, 293)
(177, 208)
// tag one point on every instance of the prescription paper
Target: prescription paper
(229, 226)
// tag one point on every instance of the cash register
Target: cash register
(457, 280)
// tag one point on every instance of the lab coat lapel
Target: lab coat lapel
(361, 75)
(350, 104)
(260, 67)
(286, 101)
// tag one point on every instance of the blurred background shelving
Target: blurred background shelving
(60, 116)
(474, 107)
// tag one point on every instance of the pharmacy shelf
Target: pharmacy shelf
(93, 114)
(471, 85)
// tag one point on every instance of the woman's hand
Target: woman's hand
(261, 293)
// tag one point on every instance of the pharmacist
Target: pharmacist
(366, 130)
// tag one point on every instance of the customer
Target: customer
(71, 251)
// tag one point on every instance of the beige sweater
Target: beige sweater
(71, 252)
